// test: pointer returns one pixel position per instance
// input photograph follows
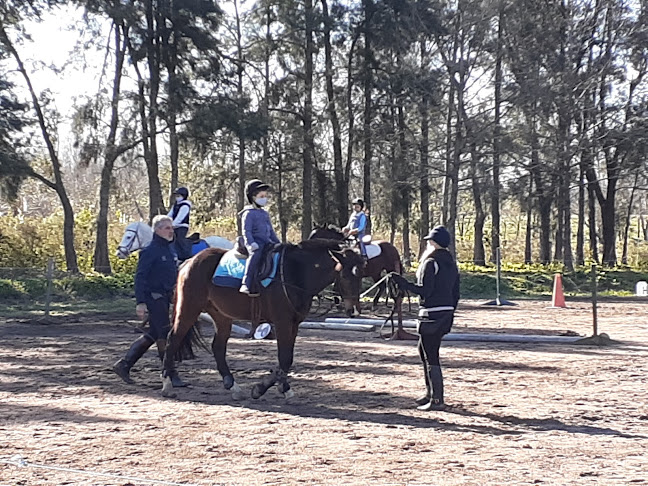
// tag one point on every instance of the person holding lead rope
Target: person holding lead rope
(438, 288)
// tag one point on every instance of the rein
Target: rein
(283, 281)
(284, 285)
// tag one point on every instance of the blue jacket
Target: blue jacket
(358, 221)
(156, 269)
(257, 227)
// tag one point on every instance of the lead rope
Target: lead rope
(394, 293)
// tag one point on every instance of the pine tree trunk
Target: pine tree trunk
(101, 260)
(368, 9)
(479, 254)
(528, 248)
(340, 187)
(308, 150)
(156, 201)
(424, 148)
(593, 238)
(626, 228)
(240, 63)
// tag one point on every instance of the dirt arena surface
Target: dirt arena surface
(521, 413)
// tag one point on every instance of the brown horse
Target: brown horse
(304, 271)
(388, 261)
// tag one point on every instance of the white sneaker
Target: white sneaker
(244, 290)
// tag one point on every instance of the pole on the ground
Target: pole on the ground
(48, 292)
(594, 299)
(498, 276)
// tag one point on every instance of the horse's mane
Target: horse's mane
(317, 244)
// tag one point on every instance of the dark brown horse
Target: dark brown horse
(388, 261)
(304, 271)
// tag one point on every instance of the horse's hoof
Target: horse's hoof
(228, 382)
(167, 388)
(237, 392)
(289, 394)
(257, 391)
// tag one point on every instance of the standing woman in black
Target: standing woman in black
(438, 287)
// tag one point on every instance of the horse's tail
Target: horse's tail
(193, 338)
(195, 269)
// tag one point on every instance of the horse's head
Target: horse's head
(326, 233)
(318, 263)
(349, 279)
(136, 237)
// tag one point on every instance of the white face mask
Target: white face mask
(261, 201)
(179, 198)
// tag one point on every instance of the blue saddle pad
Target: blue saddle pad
(230, 271)
(199, 246)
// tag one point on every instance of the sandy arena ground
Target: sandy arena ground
(521, 413)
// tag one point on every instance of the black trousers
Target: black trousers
(431, 331)
(182, 244)
(159, 322)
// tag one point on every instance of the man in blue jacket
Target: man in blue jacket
(438, 288)
(257, 232)
(155, 281)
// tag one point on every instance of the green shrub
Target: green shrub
(9, 290)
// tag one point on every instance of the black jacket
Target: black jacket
(156, 269)
(438, 283)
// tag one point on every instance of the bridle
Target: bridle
(284, 285)
(126, 250)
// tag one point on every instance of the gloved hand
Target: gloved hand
(253, 247)
(398, 279)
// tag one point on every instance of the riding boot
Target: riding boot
(176, 381)
(424, 399)
(436, 382)
(134, 353)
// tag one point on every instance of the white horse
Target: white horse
(140, 234)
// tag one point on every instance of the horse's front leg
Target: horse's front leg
(219, 350)
(286, 334)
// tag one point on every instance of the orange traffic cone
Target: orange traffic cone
(558, 299)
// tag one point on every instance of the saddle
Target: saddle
(372, 249)
(266, 265)
(231, 268)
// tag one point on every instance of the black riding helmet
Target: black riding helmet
(182, 191)
(254, 187)
(359, 201)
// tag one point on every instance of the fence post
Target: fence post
(48, 292)
(498, 276)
